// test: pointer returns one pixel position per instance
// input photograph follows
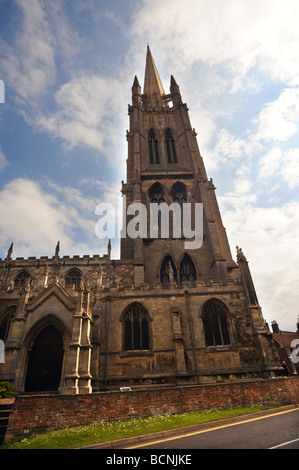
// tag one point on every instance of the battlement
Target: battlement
(49, 259)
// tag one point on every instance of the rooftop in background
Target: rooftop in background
(284, 338)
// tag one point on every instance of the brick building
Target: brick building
(162, 314)
(287, 343)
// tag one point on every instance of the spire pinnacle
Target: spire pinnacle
(172, 81)
(136, 83)
(153, 88)
(9, 253)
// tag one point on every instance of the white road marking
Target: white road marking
(284, 444)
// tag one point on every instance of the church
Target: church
(161, 315)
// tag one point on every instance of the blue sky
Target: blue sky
(68, 67)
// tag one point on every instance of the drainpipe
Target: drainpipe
(106, 342)
(192, 333)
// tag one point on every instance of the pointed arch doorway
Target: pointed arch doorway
(45, 361)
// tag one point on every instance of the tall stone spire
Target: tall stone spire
(153, 89)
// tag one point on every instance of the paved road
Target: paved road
(280, 431)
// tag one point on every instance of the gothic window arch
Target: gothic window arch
(157, 193)
(179, 193)
(215, 319)
(22, 278)
(136, 330)
(170, 147)
(187, 270)
(153, 147)
(164, 271)
(73, 279)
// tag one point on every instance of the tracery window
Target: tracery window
(156, 193)
(215, 323)
(73, 279)
(179, 193)
(136, 328)
(153, 147)
(170, 147)
(187, 270)
(164, 271)
(22, 278)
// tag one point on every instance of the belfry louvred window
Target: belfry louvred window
(170, 147)
(153, 147)
(136, 328)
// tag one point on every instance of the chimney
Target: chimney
(275, 327)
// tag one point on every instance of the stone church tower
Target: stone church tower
(164, 165)
(165, 313)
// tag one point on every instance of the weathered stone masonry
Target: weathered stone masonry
(161, 314)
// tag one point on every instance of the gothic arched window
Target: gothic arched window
(215, 323)
(22, 278)
(164, 271)
(136, 328)
(153, 147)
(73, 279)
(179, 193)
(156, 193)
(187, 270)
(170, 147)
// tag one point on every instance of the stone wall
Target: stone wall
(35, 414)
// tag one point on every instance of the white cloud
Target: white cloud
(35, 219)
(242, 186)
(269, 237)
(269, 164)
(240, 34)
(243, 170)
(87, 114)
(3, 161)
(85, 106)
(290, 168)
(229, 150)
(203, 122)
(278, 120)
(29, 62)
(282, 163)
(110, 192)
(31, 217)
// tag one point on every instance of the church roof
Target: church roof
(285, 338)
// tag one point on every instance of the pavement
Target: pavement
(146, 438)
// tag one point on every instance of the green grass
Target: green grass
(79, 436)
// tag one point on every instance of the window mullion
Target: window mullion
(220, 327)
(212, 328)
